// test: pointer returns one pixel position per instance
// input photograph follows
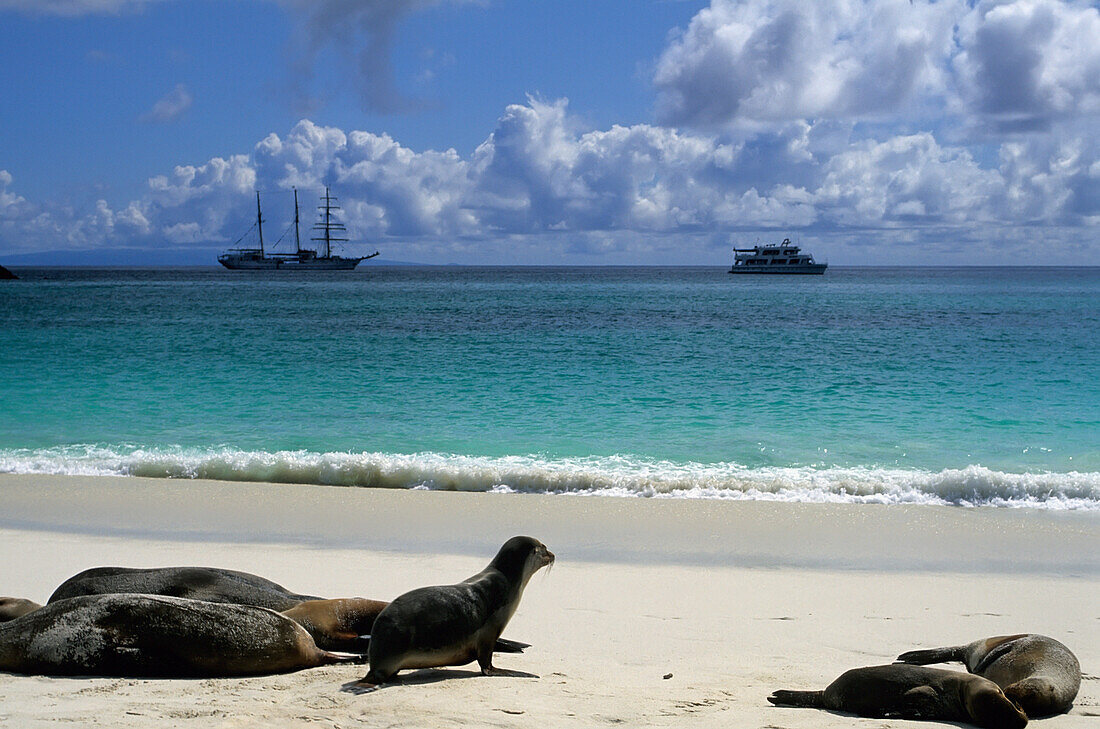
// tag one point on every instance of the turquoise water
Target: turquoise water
(957, 385)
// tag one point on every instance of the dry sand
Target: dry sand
(657, 613)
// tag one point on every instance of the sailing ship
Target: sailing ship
(784, 257)
(329, 229)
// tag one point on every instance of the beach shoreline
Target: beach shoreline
(733, 599)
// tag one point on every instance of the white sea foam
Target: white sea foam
(973, 485)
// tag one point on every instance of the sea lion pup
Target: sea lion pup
(155, 635)
(342, 624)
(15, 607)
(211, 584)
(1038, 673)
(451, 625)
(912, 692)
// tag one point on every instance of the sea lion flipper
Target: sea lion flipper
(783, 697)
(933, 655)
(509, 646)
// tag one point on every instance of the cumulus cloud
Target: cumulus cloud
(779, 60)
(1005, 66)
(542, 187)
(1025, 64)
(11, 205)
(170, 107)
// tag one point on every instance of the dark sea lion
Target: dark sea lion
(15, 607)
(155, 636)
(1038, 673)
(197, 583)
(451, 625)
(912, 692)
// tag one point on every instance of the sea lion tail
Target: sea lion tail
(934, 655)
(813, 699)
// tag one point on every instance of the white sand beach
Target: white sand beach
(657, 613)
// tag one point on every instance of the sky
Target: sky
(640, 132)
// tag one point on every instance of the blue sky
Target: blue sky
(513, 131)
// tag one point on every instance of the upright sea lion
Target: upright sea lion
(15, 607)
(912, 692)
(451, 625)
(154, 635)
(211, 584)
(1037, 672)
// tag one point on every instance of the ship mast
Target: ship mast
(259, 224)
(329, 223)
(297, 240)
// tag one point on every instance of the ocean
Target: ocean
(966, 386)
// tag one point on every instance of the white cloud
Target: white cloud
(1025, 64)
(541, 188)
(1003, 66)
(751, 61)
(171, 106)
(11, 205)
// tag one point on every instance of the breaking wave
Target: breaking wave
(973, 485)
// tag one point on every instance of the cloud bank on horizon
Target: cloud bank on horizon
(854, 122)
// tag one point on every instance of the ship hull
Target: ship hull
(814, 269)
(274, 264)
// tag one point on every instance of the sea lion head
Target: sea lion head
(990, 708)
(521, 557)
(15, 607)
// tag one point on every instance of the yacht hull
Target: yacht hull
(275, 264)
(811, 270)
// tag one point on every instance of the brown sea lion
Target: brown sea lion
(451, 625)
(15, 607)
(343, 624)
(154, 635)
(912, 692)
(1037, 672)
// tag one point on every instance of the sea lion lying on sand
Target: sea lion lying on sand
(155, 635)
(451, 625)
(912, 692)
(211, 584)
(1037, 672)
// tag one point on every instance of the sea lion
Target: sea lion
(1038, 673)
(211, 584)
(342, 624)
(15, 607)
(156, 636)
(451, 625)
(912, 692)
